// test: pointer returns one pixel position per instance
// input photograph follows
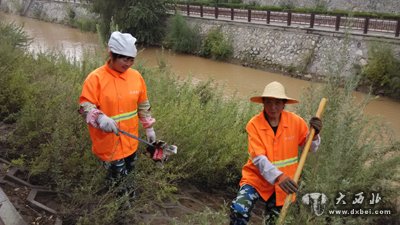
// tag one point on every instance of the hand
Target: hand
(316, 123)
(287, 184)
(107, 124)
(151, 135)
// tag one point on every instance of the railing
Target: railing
(363, 25)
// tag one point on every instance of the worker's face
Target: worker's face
(273, 106)
(121, 63)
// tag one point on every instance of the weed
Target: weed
(216, 45)
(181, 37)
(382, 71)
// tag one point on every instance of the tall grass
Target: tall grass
(357, 154)
(181, 37)
(12, 53)
(383, 70)
(216, 45)
(208, 128)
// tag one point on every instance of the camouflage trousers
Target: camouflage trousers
(244, 203)
(118, 170)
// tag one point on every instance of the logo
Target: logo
(134, 92)
(289, 138)
(360, 203)
(316, 201)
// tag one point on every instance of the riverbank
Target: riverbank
(244, 81)
(52, 141)
(296, 52)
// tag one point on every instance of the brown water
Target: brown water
(242, 80)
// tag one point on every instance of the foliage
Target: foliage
(83, 24)
(144, 19)
(354, 152)
(13, 41)
(18, 6)
(217, 148)
(71, 13)
(216, 45)
(383, 70)
(37, 11)
(287, 4)
(181, 37)
(106, 10)
(14, 35)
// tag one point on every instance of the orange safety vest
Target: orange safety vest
(117, 95)
(281, 149)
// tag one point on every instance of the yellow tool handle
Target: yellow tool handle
(303, 158)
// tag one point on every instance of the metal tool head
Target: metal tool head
(159, 151)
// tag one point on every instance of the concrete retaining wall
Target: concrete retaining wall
(303, 51)
(57, 12)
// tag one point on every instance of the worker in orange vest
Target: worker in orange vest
(114, 96)
(274, 136)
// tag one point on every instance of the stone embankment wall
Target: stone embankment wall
(51, 11)
(305, 52)
(382, 6)
(296, 50)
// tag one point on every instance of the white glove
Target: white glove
(107, 124)
(151, 135)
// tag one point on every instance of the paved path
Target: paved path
(8, 214)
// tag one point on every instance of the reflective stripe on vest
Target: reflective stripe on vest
(286, 162)
(124, 116)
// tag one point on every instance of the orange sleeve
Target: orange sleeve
(90, 91)
(303, 131)
(143, 93)
(255, 145)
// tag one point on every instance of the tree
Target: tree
(144, 19)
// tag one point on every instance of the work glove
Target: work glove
(151, 135)
(316, 123)
(287, 184)
(107, 124)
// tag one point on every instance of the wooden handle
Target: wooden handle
(303, 158)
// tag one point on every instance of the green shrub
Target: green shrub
(142, 18)
(19, 6)
(382, 71)
(356, 155)
(13, 42)
(71, 13)
(181, 37)
(208, 129)
(216, 45)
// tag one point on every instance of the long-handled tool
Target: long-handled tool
(303, 158)
(159, 151)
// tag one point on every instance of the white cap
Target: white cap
(123, 44)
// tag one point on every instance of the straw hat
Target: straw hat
(274, 90)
